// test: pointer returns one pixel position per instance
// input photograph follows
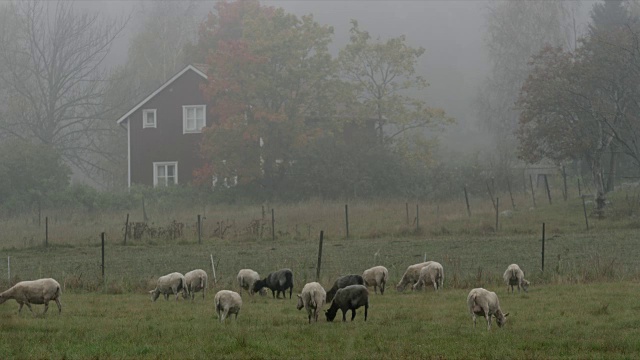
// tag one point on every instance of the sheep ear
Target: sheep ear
(299, 297)
(507, 314)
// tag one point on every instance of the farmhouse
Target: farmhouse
(164, 131)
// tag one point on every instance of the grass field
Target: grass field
(584, 305)
(598, 320)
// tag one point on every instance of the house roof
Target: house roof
(176, 76)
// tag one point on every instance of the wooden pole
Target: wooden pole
(46, 231)
(213, 269)
(319, 256)
(126, 229)
(273, 224)
(199, 229)
(579, 188)
(102, 237)
(497, 212)
(9, 269)
(491, 195)
(542, 247)
(417, 217)
(466, 198)
(533, 192)
(145, 218)
(565, 194)
(586, 218)
(406, 206)
(346, 218)
(513, 203)
(546, 185)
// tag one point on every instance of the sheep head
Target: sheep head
(525, 285)
(501, 319)
(300, 302)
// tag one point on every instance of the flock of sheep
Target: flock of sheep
(349, 292)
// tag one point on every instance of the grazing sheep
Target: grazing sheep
(349, 298)
(342, 282)
(515, 276)
(34, 292)
(246, 278)
(482, 302)
(173, 283)
(196, 281)
(227, 302)
(430, 274)
(411, 275)
(278, 281)
(377, 276)
(312, 298)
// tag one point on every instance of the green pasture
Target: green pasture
(597, 320)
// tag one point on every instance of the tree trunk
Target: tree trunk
(598, 183)
(613, 165)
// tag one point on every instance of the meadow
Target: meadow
(583, 305)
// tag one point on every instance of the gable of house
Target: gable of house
(164, 131)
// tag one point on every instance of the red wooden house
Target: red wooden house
(164, 131)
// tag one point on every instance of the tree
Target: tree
(30, 173)
(515, 31)
(51, 69)
(264, 83)
(385, 86)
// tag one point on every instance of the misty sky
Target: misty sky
(454, 62)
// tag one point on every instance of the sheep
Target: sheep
(377, 277)
(349, 298)
(433, 274)
(411, 275)
(39, 291)
(196, 281)
(515, 276)
(227, 302)
(482, 302)
(278, 281)
(312, 298)
(342, 282)
(246, 278)
(173, 283)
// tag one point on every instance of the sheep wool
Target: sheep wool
(196, 281)
(377, 277)
(482, 302)
(312, 298)
(39, 291)
(227, 302)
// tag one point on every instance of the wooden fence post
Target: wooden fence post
(200, 230)
(346, 218)
(584, 208)
(417, 217)
(273, 224)
(565, 194)
(319, 256)
(491, 195)
(546, 185)
(102, 237)
(213, 268)
(126, 229)
(542, 247)
(533, 191)
(466, 198)
(46, 231)
(497, 212)
(406, 206)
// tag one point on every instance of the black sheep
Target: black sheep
(278, 281)
(349, 298)
(343, 282)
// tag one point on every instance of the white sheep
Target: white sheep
(312, 298)
(227, 302)
(411, 275)
(482, 302)
(246, 278)
(173, 283)
(515, 276)
(430, 274)
(34, 292)
(196, 281)
(377, 276)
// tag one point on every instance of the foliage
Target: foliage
(264, 82)
(29, 173)
(51, 56)
(384, 86)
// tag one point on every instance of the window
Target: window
(165, 173)
(193, 118)
(148, 118)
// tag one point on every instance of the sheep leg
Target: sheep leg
(59, 306)
(474, 320)
(382, 288)
(344, 316)
(353, 314)
(29, 306)
(366, 310)
(224, 315)
(290, 291)
(46, 307)
(488, 317)
(375, 289)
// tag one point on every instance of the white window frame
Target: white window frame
(198, 127)
(146, 124)
(156, 165)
